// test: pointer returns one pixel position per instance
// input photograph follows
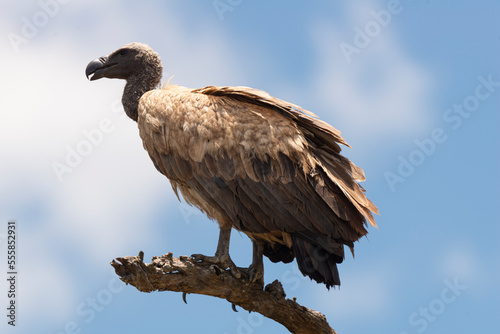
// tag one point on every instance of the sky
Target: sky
(414, 87)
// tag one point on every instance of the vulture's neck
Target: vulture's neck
(136, 86)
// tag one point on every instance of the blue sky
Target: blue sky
(416, 96)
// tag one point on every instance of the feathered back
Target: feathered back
(323, 139)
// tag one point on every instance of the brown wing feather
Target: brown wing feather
(323, 137)
(324, 133)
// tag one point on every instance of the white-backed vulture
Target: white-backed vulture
(252, 162)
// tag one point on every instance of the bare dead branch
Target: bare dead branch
(168, 273)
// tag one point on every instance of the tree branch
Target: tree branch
(167, 273)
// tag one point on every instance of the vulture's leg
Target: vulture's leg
(256, 269)
(221, 257)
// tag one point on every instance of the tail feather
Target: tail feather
(316, 257)
(317, 263)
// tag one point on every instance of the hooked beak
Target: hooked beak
(96, 68)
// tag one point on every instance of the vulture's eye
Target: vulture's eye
(123, 52)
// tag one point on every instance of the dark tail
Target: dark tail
(317, 262)
(317, 257)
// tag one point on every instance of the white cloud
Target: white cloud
(106, 204)
(382, 92)
(49, 103)
(43, 284)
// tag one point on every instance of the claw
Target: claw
(233, 305)
(221, 257)
(256, 273)
(223, 261)
(184, 297)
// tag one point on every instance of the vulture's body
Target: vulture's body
(251, 162)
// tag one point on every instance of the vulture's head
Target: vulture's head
(131, 60)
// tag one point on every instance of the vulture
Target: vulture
(249, 161)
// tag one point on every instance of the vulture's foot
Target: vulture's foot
(223, 261)
(255, 273)
(221, 257)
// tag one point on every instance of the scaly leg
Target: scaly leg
(221, 257)
(256, 269)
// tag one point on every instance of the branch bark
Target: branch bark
(168, 273)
